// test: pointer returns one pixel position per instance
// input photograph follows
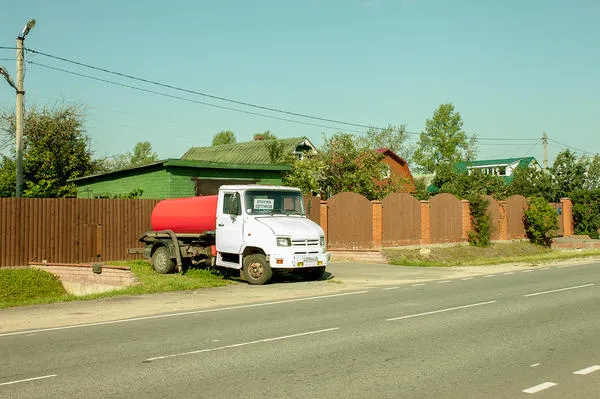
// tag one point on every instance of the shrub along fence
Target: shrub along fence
(70, 230)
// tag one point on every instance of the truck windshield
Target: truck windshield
(265, 202)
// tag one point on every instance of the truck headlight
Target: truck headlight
(284, 242)
(322, 241)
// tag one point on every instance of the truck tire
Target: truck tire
(256, 269)
(162, 261)
(314, 273)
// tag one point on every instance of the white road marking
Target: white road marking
(444, 281)
(587, 370)
(255, 305)
(545, 268)
(28, 379)
(528, 271)
(509, 273)
(560, 289)
(390, 288)
(418, 285)
(467, 278)
(540, 387)
(490, 275)
(441, 310)
(241, 344)
(534, 365)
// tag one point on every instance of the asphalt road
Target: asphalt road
(512, 333)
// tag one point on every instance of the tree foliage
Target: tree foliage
(586, 211)
(569, 173)
(443, 141)
(55, 149)
(466, 185)
(540, 220)
(142, 155)
(267, 135)
(481, 221)
(344, 163)
(530, 182)
(392, 137)
(224, 137)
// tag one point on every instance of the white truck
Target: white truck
(253, 228)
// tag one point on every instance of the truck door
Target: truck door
(230, 224)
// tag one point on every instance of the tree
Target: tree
(444, 141)
(569, 173)
(267, 135)
(142, 155)
(307, 174)
(55, 149)
(392, 137)
(592, 178)
(468, 185)
(343, 164)
(224, 137)
(530, 182)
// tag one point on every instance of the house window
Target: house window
(386, 172)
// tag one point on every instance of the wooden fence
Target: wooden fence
(70, 230)
(351, 222)
(86, 230)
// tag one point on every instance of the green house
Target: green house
(251, 152)
(174, 178)
(499, 167)
(504, 168)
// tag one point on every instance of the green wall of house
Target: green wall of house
(166, 181)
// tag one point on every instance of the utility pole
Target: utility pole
(545, 142)
(19, 111)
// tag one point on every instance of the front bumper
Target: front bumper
(284, 260)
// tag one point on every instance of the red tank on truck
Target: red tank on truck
(258, 230)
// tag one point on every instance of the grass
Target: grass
(497, 253)
(31, 286)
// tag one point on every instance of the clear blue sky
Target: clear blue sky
(513, 69)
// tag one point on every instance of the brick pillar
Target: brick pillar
(425, 223)
(567, 215)
(377, 224)
(503, 222)
(466, 219)
(323, 216)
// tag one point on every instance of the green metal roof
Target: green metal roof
(523, 162)
(188, 164)
(252, 152)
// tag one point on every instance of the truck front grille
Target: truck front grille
(305, 243)
(305, 247)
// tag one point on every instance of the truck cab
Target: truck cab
(264, 229)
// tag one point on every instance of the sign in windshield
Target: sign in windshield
(266, 202)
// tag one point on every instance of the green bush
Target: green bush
(23, 285)
(586, 211)
(480, 218)
(540, 220)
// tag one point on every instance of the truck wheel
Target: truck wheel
(314, 273)
(162, 262)
(256, 269)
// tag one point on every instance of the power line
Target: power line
(220, 98)
(185, 99)
(168, 86)
(568, 146)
